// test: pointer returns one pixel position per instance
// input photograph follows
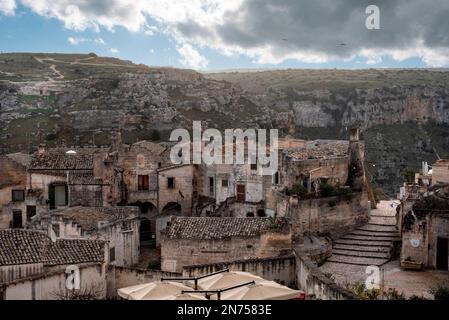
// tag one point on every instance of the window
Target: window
(171, 182)
(253, 166)
(112, 254)
(17, 219)
(261, 213)
(143, 182)
(224, 183)
(31, 211)
(211, 186)
(276, 178)
(18, 195)
(61, 195)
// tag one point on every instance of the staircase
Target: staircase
(371, 244)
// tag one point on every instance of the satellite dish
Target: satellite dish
(414, 243)
(71, 152)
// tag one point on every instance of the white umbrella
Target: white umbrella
(225, 280)
(265, 290)
(187, 296)
(159, 290)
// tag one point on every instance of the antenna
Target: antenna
(438, 156)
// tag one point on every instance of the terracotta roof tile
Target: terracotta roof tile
(205, 228)
(88, 217)
(19, 246)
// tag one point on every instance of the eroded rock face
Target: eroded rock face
(86, 110)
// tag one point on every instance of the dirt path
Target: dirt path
(60, 75)
(52, 68)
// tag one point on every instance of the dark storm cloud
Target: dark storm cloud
(322, 25)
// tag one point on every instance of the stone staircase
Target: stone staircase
(371, 244)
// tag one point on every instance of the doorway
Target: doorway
(17, 219)
(442, 253)
(241, 194)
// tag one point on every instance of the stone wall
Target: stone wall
(13, 272)
(50, 285)
(315, 284)
(297, 171)
(331, 216)
(440, 172)
(177, 253)
(120, 277)
(419, 239)
(182, 193)
(279, 269)
(86, 195)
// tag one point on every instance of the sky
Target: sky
(235, 34)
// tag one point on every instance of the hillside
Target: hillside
(79, 99)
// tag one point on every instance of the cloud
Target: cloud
(76, 40)
(269, 31)
(113, 50)
(191, 57)
(151, 51)
(100, 41)
(7, 7)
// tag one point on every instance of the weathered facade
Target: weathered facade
(25, 253)
(200, 240)
(317, 162)
(425, 231)
(118, 226)
(13, 210)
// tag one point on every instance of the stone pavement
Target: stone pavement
(412, 283)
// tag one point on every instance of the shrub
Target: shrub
(441, 291)
(326, 190)
(409, 175)
(299, 190)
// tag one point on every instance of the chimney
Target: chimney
(98, 165)
(354, 135)
(41, 149)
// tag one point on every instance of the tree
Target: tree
(299, 190)
(326, 190)
(409, 175)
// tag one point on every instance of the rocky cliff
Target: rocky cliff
(84, 99)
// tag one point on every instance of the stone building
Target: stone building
(177, 188)
(440, 172)
(425, 231)
(118, 226)
(13, 177)
(200, 240)
(317, 162)
(237, 190)
(140, 163)
(25, 253)
(62, 177)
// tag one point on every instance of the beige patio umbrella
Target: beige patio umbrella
(158, 290)
(226, 280)
(188, 296)
(265, 290)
